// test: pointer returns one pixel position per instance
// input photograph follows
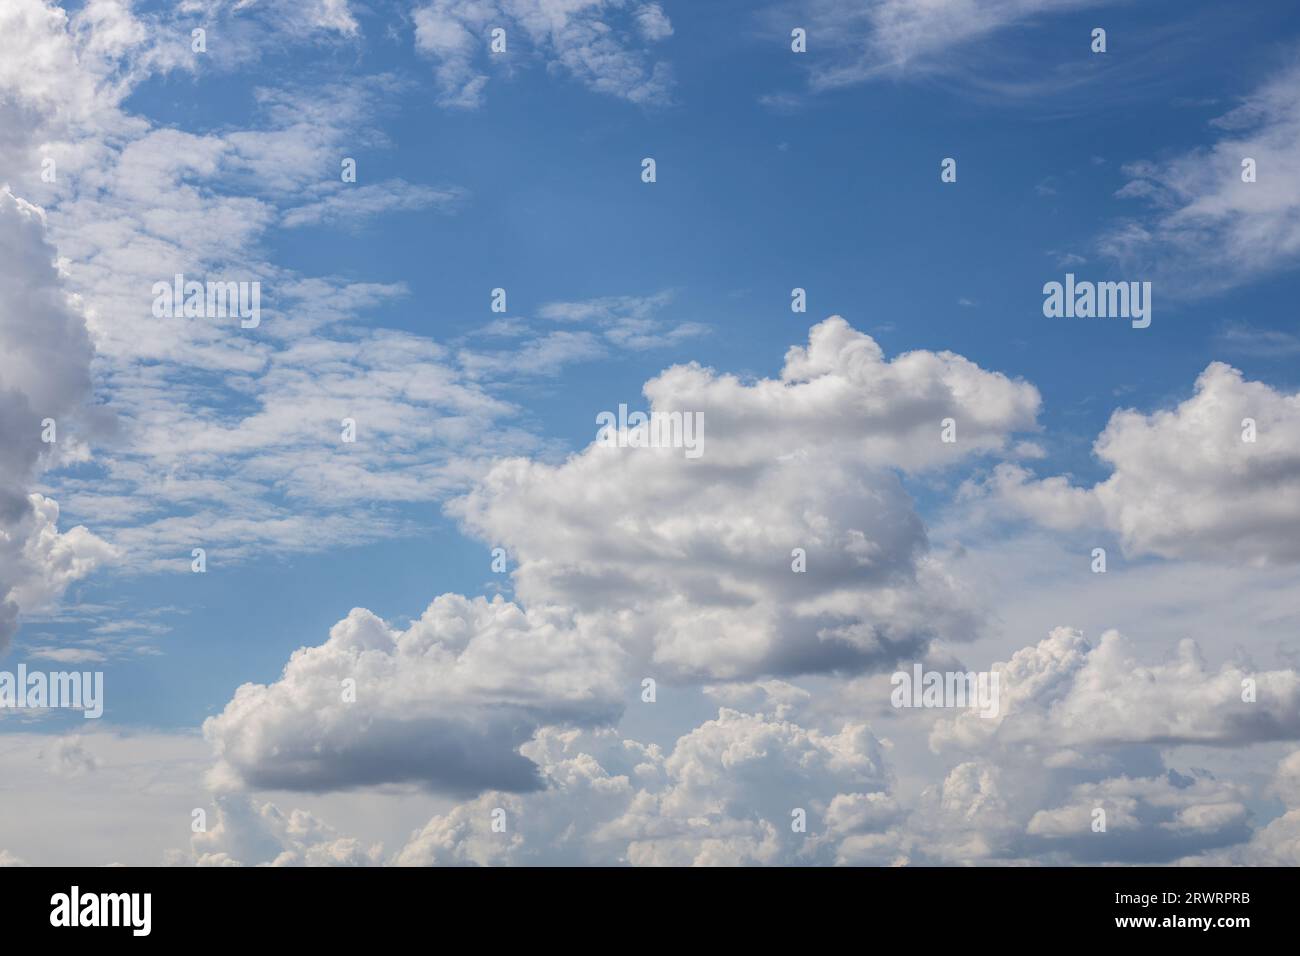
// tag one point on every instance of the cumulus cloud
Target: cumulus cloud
(594, 41)
(60, 74)
(640, 561)
(251, 833)
(1065, 693)
(725, 794)
(444, 704)
(1185, 482)
(1155, 819)
(1278, 843)
(661, 550)
(44, 376)
(627, 562)
(1083, 728)
(1080, 729)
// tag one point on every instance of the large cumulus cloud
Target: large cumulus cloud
(637, 561)
(443, 704)
(688, 561)
(44, 374)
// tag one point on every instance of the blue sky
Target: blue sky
(775, 170)
(840, 195)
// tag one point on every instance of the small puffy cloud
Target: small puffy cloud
(653, 22)
(39, 562)
(1196, 482)
(1049, 502)
(70, 757)
(248, 833)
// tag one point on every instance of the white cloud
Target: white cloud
(70, 757)
(349, 205)
(44, 375)
(38, 562)
(592, 40)
(591, 329)
(1148, 818)
(248, 833)
(1278, 842)
(216, 427)
(1208, 231)
(627, 562)
(449, 702)
(860, 41)
(1064, 693)
(723, 795)
(61, 72)
(659, 550)
(133, 807)
(653, 22)
(444, 704)
(627, 321)
(1184, 483)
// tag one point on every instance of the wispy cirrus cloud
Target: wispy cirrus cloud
(857, 42)
(219, 433)
(1207, 229)
(601, 43)
(588, 329)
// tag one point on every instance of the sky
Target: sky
(356, 678)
